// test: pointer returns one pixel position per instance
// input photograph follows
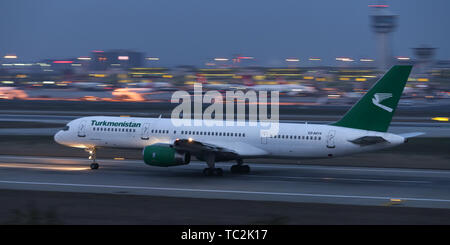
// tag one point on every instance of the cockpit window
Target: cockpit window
(65, 128)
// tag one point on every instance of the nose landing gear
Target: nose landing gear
(93, 156)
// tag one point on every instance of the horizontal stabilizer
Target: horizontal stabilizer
(368, 140)
(411, 135)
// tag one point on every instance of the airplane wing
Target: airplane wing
(223, 150)
(368, 140)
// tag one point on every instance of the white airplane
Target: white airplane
(363, 128)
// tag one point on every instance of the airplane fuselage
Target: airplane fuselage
(293, 140)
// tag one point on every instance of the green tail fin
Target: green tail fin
(375, 109)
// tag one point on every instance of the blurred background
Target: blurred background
(314, 53)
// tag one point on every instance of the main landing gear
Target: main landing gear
(239, 168)
(212, 170)
(93, 156)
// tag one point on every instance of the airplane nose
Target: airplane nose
(57, 137)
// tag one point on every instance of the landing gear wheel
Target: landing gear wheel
(245, 169)
(218, 171)
(212, 172)
(94, 166)
(240, 169)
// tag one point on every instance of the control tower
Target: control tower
(424, 55)
(383, 22)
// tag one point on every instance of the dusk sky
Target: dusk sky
(192, 31)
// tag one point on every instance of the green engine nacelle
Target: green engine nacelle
(163, 155)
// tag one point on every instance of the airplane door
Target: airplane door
(145, 133)
(82, 129)
(264, 138)
(330, 139)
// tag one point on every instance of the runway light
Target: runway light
(119, 158)
(395, 201)
(378, 6)
(366, 60)
(220, 59)
(292, 60)
(152, 58)
(63, 62)
(315, 59)
(10, 56)
(422, 79)
(344, 59)
(440, 119)
(123, 58)
(403, 58)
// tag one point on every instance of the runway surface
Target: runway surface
(287, 183)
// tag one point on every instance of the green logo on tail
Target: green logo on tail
(378, 97)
